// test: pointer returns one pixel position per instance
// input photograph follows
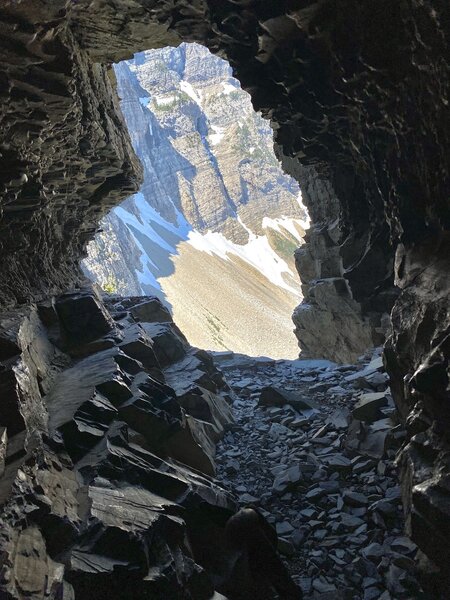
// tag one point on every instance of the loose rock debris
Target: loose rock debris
(314, 450)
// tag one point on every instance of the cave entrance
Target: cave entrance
(214, 227)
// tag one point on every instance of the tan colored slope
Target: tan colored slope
(222, 305)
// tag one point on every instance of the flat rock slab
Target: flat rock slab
(276, 396)
(368, 406)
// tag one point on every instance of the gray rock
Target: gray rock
(373, 552)
(374, 443)
(286, 547)
(403, 544)
(315, 494)
(350, 522)
(323, 586)
(368, 406)
(339, 463)
(277, 431)
(276, 396)
(338, 420)
(248, 499)
(284, 528)
(354, 498)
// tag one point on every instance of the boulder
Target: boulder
(339, 419)
(169, 344)
(276, 396)
(368, 406)
(195, 368)
(192, 444)
(207, 406)
(138, 345)
(151, 310)
(83, 318)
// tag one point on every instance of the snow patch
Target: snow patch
(257, 252)
(149, 216)
(191, 92)
(228, 88)
(252, 236)
(307, 221)
(216, 137)
(286, 223)
(163, 100)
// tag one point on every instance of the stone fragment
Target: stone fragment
(151, 310)
(378, 381)
(338, 420)
(276, 396)
(338, 390)
(248, 499)
(374, 443)
(350, 522)
(355, 499)
(403, 544)
(284, 528)
(278, 431)
(362, 376)
(363, 465)
(169, 344)
(373, 552)
(286, 547)
(83, 318)
(322, 586)
(287, 479)
(330, 487)
(368, 405)
(371, 593)
(3, 448)
(315, 494)
(339, 463)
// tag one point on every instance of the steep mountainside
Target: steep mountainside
(215, 207)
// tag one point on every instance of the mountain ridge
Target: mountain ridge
(213, 185)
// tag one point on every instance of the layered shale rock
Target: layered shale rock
(326, 477)
(66, 157)
(357, 90)
(102, 459)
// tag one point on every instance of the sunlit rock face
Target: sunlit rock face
(356, 90)
(216, 222)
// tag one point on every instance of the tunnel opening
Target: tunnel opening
(215, 225)
(358, 97)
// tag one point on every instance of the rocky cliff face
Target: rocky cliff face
(111, 418)
(356, 90)
(215, 206)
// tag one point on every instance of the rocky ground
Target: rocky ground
(314, 449)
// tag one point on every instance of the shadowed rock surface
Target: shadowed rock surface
(104, 457)
(358, 94)
(325, 478)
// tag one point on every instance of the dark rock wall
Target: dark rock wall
(65, 155)
(101, 458)
(357, 90)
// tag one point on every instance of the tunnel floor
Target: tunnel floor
(313, 448)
